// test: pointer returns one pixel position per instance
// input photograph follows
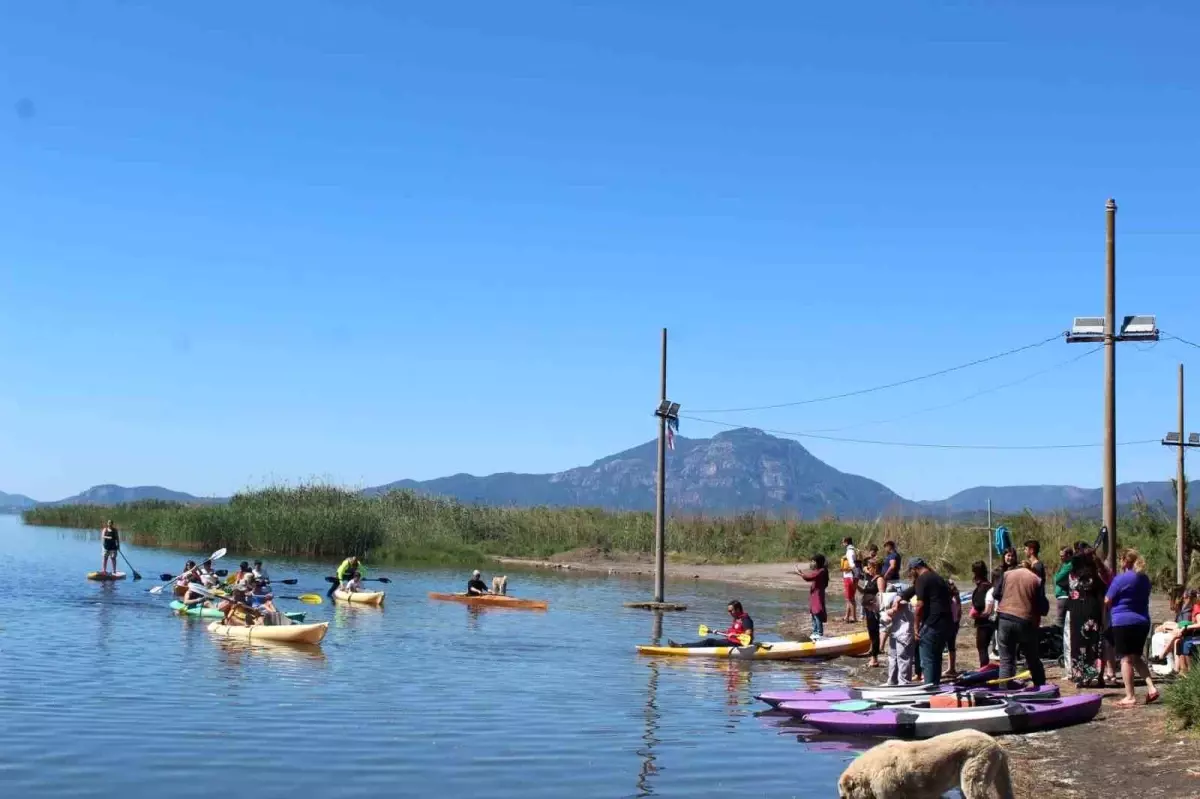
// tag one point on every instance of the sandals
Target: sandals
(1152, 698)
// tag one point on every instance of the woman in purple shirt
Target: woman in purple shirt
(1128, 599)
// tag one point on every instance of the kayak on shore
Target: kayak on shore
(496, 600)
(105, 577)
(854, 644)
(805, 707)
(213, 613)
(359, 597)
(285, 633)
(991, 715)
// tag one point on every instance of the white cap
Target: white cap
(475, 573)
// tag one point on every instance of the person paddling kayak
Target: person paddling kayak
(350, 574)
(110, 539)
(242, 577)
(237, 610)
(742, 625)
(476, 586)
(260, 573)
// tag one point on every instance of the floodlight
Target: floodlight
(664, 408)
(1194, 438)
(1172, 438)
(673, 411)
(1139, 326)
(1088, 326)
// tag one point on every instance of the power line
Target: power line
(1177, 338)
(873, 389)
(919, 445)
(966, 398)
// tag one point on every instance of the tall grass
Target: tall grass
(324, 522)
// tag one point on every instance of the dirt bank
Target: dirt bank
(760, 575)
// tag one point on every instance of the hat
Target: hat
(475, 573)
(915, 563)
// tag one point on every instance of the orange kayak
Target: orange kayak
(492, 600)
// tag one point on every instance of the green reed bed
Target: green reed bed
(326, 522)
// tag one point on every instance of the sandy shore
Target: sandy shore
(760, 575)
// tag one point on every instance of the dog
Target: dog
(968, 760)
(500, 585)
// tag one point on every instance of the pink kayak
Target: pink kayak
(805, 707)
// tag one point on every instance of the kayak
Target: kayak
(856, 644)
(360, 597)
(105, 577)
(876, 692)
(993, 716)
(496, 600)
(286, 633)
(805, 707)
(213, 613)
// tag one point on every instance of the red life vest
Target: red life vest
(740, 626)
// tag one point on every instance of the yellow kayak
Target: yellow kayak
(105, 577)
(493, 600)
(286, 633)
(360, 597)
(855, 644)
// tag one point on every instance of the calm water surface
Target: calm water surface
(105, 692)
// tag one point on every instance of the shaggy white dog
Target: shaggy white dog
(968, 760)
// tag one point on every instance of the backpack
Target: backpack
(1002, 540)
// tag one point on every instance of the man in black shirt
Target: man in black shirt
(476, 586)
(933, 619)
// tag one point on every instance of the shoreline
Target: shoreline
(771, 576)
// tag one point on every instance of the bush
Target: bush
(1182, 699)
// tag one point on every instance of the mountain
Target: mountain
(15, 503)
(743, 469)
(1050, 498)
(115, 495)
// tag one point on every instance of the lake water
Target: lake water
(105, 692)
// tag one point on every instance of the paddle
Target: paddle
(742, 638)
(218, 572)
(362, 579)
(1023, 675)
(202, 591)
(158, 589)
(136, 576)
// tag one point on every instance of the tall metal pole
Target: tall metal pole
(990, 531)
(660, 509)
(1110, 384)
(1180, 500)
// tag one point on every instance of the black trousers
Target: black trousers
(872, 617)
(1015, 635)
(983, 643)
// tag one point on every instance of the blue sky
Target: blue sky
(274, 241)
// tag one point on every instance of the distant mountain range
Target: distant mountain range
(743, 469)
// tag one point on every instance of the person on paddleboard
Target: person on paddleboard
(476, 586)
(742, 625)
(110, 539)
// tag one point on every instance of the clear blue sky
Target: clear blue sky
(243, 242)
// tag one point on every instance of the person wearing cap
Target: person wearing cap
(260, 573)
(930, 596)
(476, 586)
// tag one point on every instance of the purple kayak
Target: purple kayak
(807, 706)
(993, 716)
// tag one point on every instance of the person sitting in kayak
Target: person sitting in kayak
(242, 577)
(110, 539)
(742, 625)
(237, 610)
(476, 586)
(208, 577)
(260, 574)
(350, 574)
(260, 596)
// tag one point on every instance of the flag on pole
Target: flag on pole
(672, 429)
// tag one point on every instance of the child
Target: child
(819, 577)
(897, 620)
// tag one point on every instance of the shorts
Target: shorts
(111, 551)
(1188, 645)
(848, 586)
(1129, 639)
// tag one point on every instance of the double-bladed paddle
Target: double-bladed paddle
(158, 589)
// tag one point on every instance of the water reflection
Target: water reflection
(650, 715)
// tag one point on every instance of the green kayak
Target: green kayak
(213, 613)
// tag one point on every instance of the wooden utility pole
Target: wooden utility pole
(1110, 383)
(1181, 441)
(668, 417)
(1095, 329)
(660, 497)
(1180, 500)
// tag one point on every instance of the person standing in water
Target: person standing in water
(110, 539)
